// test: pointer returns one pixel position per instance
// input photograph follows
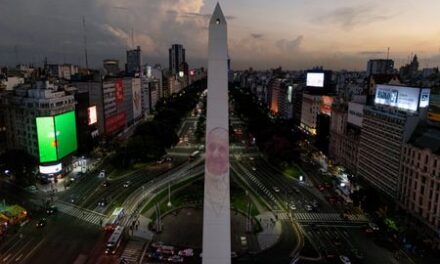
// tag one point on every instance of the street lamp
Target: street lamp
(169, 195)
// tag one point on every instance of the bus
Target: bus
(193, 155)
(115, 240)
(114, 219)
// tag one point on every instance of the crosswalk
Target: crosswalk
(133, 251)
(81, 213)
(328, 217)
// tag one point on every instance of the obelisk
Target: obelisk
(216, 206)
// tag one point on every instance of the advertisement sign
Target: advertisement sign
(51, 169)
(405, 98)
(355, 114)
(289, 93)
(424, 98)
(93, 117)
(56, 136)
(434, 108)
(115, 123)
(47, 143)
(65, 126)
(326, 105)
(137, 104)
(315, 79)
(119, 91)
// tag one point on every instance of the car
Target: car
(101, 174)
(105, 184)
(32, 188)
(292, 206)
(315, 203)
(126, 184)
(175, 259)
(251, 158)
(308, 207)
(234, 254)
(373, 226)
(321, 187)
(155, 256)
(276, 189)
(41, 223)
(344, 259)
(189, 252)
(254, 169)
(157, 244)
(102, 202)
(51, 209)
(168, 250)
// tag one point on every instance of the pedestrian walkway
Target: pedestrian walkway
(271, 230)
(133, 251)
(81, 213)
(328, 217)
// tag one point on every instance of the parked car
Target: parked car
(175, 259)
(41, 223)
(155, 256)
(189, 252)
(344, 259)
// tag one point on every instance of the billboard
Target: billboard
(326, 105)
(137, 103)
(315, 79)
(56, 136)
(424, 98)
(355, 114)
(93, 117)
(47, 143)
(51, 169)
(119, 91)
(405, 98)
(434, 108)
(289, 93)
(65, 126)
(115, 123)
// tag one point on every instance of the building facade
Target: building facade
(134, 61)
(420, 172)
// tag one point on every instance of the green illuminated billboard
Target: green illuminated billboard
(56, 136)
(65, 126)
(46, 139)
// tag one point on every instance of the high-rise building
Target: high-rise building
(134, 61)
(380, 66)
(309, 112)
(386, 126)
(176, 58)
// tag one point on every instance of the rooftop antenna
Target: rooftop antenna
(85, 42)
(388, 53)
(132, 37)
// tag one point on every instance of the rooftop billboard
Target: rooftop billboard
(402, 97)
(315, 79)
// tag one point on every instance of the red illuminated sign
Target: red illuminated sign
(115, 123)
(119, 91)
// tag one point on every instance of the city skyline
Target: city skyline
(294, 35)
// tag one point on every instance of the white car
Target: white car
(126, 184)
(189, 252)
(344, 259)
(292, 206)
(276, 189)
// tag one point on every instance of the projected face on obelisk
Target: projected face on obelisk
(217, 152)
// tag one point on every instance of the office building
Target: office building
(380, 66)
(134, 61)
(176, 58)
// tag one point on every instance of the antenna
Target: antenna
(388, 53)
(85, 41)
(16, 54)
(132, 37)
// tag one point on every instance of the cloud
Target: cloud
(349, 17)
(257, 36)
(289, 45)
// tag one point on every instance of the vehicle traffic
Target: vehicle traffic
(114, 241)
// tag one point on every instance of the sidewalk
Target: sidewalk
(271, 230)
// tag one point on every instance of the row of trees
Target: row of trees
(277, 138)
(151, 138)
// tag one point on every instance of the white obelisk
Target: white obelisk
(216, 206)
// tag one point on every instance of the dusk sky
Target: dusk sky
(296, 34)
